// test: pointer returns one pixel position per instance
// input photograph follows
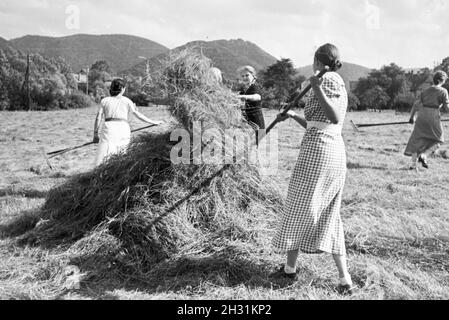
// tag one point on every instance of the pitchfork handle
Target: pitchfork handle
(293, 103)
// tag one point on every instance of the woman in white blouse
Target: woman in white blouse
(116, 133)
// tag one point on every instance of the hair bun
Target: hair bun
(337, 65)
(117, 86)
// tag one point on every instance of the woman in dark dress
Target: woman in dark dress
(428, 133)
(251, 94)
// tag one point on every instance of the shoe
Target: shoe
(423, 162)
(281, 274)
(346, 290)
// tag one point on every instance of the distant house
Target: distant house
(414, 70)
(81, 76)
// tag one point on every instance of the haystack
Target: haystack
(121, 207)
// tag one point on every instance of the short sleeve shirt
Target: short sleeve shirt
(117, 107)
(252, 105)
(334, 88)
(435, 97)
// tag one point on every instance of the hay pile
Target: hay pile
(117, 208)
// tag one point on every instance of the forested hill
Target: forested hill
(3, 43)
(81, 50)
(227, 55)
(349, 72)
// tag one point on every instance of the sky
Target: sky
(372, 33)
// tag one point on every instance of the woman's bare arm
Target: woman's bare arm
(291, 114)
(97, 125)
(144, 118)
(251, 97)
(414, 110)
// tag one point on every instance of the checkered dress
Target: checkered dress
(311, 219)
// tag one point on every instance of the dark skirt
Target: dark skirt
(256, 120)
(427, 133)
(255, 117)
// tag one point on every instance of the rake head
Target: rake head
(47, 159)
(354, 126)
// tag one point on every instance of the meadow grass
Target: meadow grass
(396, 222)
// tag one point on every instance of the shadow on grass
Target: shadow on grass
(115, 269)
(20, 225)
(352, 166)
(187, 275)
(27, 193)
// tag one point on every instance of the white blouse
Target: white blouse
(117, 107)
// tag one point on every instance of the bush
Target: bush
(50, 81)
(375, 98)
(353, 102)
(404, 102)
(140, 99)
(47, 93)
(269, 100)
(77, 100)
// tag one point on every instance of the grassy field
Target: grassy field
(396, 220)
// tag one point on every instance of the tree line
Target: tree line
(53, 86)
(50, 83)
(390, 87)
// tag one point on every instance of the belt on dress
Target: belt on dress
(431, 107)
(326, 127)
(115, 120)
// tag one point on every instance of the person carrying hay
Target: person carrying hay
(311, 220)
(252, 111)
(428, 132)
(115, 133)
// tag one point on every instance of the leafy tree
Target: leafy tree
(353, 102)
(101, 66)
(99, 74)
(279, 82)
(375, 98)
(404, 102)
(139, 94)
(391, 79)
(416, 80)
(51, 81)
(444, 66)
(398, 82)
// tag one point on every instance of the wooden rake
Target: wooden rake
(54, 154)
(356, 127)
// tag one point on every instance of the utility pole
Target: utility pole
(87, 82)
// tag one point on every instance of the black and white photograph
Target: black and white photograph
(240, 151)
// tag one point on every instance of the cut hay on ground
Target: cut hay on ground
(115, 209)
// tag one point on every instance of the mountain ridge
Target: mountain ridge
(227, 55)
(82, 50)
(349, 72)
(4, 43)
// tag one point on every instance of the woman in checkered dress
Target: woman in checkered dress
(311, 221)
